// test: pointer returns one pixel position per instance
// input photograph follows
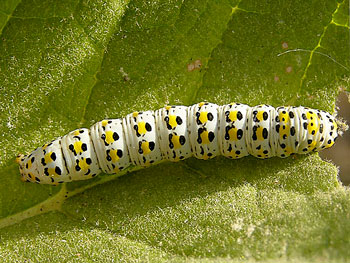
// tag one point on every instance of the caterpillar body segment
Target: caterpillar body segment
(79, 154)
(203, 124)
(232, 130)
(110, 145)
(175, 133)
(142, 138)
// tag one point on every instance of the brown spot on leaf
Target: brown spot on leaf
(190, 67)
(197, 64)
(284, 45)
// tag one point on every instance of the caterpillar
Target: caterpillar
(175, 133)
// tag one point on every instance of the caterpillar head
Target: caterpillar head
(342, 126)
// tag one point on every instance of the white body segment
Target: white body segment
(285, 124)
(328, 130)
(142, 138)
(110, 144)
(80, 155)
(203, 124)
(175, 133)
(232, 135)
(259, 139)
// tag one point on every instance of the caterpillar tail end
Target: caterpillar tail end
(19, 160)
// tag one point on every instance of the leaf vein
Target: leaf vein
(318, 45)
(9, 17)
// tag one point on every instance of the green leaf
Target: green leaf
(67, 64)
